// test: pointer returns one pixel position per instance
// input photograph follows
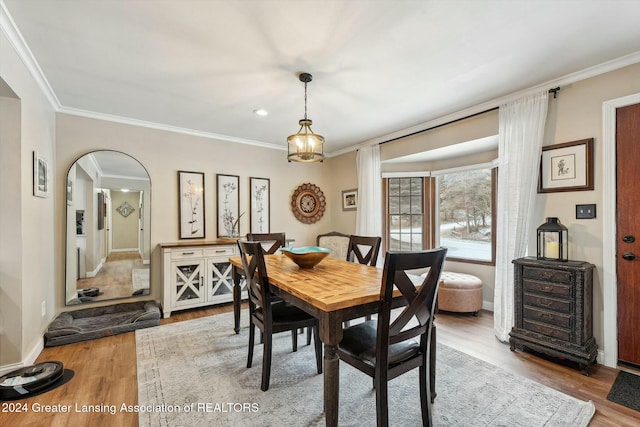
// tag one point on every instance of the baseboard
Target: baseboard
(29, 360)
(94, 272)
(486, 305)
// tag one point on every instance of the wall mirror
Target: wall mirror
(108, 253)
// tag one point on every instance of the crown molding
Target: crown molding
(168, 128)
(10, 29)
(596, 70)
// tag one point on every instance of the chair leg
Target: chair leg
(425, 393)
(309, 335)
(266, 362)
(294, 340)
(382, 404)
(252, 333)
(318, 346)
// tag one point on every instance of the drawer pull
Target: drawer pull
(547, 288)
(545, 316)
(188, 253)
(220, 251)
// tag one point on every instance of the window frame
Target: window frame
(431, 211)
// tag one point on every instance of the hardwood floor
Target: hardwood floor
(105, 374)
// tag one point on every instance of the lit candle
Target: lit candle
(552, 250)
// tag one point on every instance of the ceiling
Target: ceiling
(378, 66)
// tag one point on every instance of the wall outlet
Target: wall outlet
(44, 308)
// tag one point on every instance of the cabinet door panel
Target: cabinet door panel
(187, 282)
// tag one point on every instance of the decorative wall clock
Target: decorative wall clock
(125, 209)
(308, 203)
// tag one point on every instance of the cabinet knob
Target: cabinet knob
(628, 256)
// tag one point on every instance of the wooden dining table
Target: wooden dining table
(334, 291)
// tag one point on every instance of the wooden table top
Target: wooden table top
(332, 285)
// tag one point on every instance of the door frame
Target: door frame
(609, 269)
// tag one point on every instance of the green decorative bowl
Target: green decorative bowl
(306, 256)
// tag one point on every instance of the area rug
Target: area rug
(140, 279)
(626, 390)
(193, 373)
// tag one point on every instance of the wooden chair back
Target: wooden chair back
(420, 292)
(278, 239)
(255, 271)
(358, 244)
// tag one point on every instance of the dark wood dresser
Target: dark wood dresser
(553, 309)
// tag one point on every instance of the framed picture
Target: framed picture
(259, 205)
(350, 199)
(40, 176)
(228, 206)
(191, 204)
(567, 167)
(69, 192)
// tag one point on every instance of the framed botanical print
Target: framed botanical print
(259, 205)
(567, 167)
(228, 205)
(191, 204)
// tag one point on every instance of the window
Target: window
(455, 210)
(465, 214)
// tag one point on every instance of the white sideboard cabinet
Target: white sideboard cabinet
(196, 274)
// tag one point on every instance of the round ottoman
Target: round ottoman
(459, 292)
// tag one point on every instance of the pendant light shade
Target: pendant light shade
(305, 145)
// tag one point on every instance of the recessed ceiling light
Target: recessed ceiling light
(124, 190)
(261, 112)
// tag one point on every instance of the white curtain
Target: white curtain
(521, 131)
(369, 213)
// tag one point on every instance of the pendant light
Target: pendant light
(305, 145)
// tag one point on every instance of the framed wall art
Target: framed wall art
(350, 200)
(567, 167)
(40, 175)
(228, 205)
(259, 205)
(191, 204)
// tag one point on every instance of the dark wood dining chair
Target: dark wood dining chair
(385, 348)
(278, 239)
(364, 250)
(269, 317)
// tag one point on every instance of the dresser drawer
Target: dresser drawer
(550, 331)
(546, 274)
(556, 289)
(549, 317)
(555, 304)
(187, 253)
(225, 251)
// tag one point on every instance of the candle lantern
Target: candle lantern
(553, 241)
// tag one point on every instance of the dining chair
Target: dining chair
(384, 348)
(268, 316)
(278, 240)
(364, 250)
(336, 241)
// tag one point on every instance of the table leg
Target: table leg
(236, 276)
(331, 384)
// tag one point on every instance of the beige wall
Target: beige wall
(26, 261)
(165, 153)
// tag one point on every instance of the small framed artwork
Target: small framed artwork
(101, 210)
(228, 206)
(259, 205)
(350, 199)
(69, 192)
(191, 204)
(40, 176)
(567, 167)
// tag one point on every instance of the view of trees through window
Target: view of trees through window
(465, 214)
